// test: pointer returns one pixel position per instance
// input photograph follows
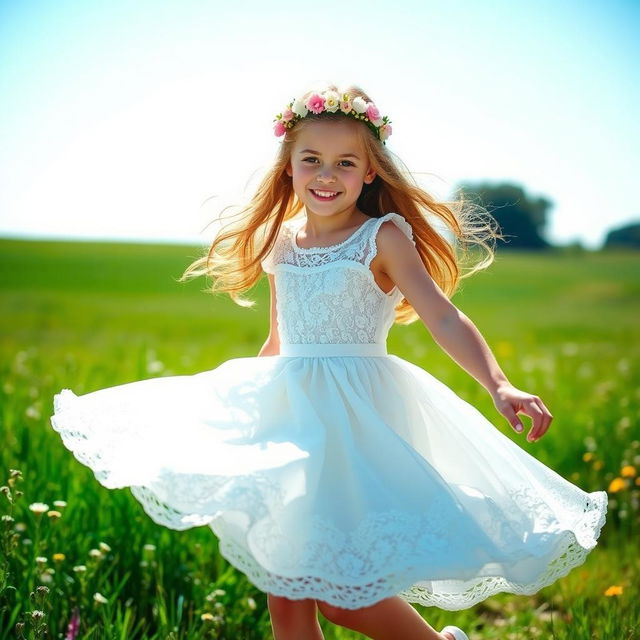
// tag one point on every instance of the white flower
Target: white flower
(98, 597)
(39, 507)
(95, 553)
(299, 107)
(331, 101)
(41, 560)
(359, 105)
(59, 503)
(79, 568)
(149, 547)
(251, 602)
(104, 546)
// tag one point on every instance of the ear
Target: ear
(370, 176)
(288, 169)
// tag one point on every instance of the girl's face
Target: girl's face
(328, 156)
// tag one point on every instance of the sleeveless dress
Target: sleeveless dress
(337, 471)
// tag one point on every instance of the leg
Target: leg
(293, 619)
(389, 619)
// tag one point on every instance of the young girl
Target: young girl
(337, 476)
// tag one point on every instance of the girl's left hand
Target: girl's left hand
(510, 401)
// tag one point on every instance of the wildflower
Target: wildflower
(614, 590)
(27, 541)
(46, 577)
(74, 625)
(61, 504)
(95, 553)
(58, 557)
(39, 507)
(80, 568)
(104, 546)
(628, 471)
(598, 464)
(587, 456)
(219, 592)
(36, 614)
(20, 526)
(98, 597)
(638, 481)
(207, 617)
(54, 515)
(251, 602)
(617, 484)
(149, 547)
(6, 518)
(41, 560)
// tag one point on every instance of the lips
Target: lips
(317, 193)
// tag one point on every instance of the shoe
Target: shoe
(457, 632)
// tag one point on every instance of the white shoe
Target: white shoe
(457, 632)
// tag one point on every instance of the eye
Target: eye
(310, 158)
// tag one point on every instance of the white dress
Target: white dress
(335, 470)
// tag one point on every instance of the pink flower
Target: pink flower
(279, 129)
(287, 114)
(74, 625)
(373, 114)
(315, 103)
(345, 106)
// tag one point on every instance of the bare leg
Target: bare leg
(389, 619)
(294, 619)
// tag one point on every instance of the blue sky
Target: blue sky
(121, 119)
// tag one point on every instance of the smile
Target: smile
(324, 195)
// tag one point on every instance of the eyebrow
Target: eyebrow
(344, 155)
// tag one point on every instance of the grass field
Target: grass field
(90, 315)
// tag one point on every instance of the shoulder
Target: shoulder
(394, 237)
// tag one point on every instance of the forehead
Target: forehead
(336, 136)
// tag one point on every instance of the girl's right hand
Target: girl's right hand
(510, 401)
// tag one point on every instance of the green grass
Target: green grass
(92, 315)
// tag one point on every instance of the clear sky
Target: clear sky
(121, 119)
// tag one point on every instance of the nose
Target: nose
(326, 176)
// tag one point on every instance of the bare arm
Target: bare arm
(271, 347)
(453, 330)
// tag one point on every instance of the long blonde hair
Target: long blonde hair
(233, 259)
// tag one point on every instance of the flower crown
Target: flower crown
(331, 101)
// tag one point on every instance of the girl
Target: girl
(337, 476)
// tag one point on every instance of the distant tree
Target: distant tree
(522, 218)
(627, 236)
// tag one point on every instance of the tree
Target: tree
(627, 236)
(522, 218)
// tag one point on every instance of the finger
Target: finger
(545, 421)
(513, 419)
(541, 419)
(537, 415)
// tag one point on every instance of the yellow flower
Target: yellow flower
(587, 456)
(54, 515)
(628, 471)
(58, 557)
(638, 481)
(598, 464)
(207, 617)
(614, 590)
(617, 484)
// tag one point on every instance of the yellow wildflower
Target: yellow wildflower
(58, 557)
(207, 617)
(598, 464)
(53, 514)
(617, 484)
(614, 590)
(587, 456)
(628, 471)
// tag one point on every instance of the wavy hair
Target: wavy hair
(233, 259)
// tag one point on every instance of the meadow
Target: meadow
(82, 315)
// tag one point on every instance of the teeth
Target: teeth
(325, 194)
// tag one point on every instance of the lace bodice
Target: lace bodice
(328, 294)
